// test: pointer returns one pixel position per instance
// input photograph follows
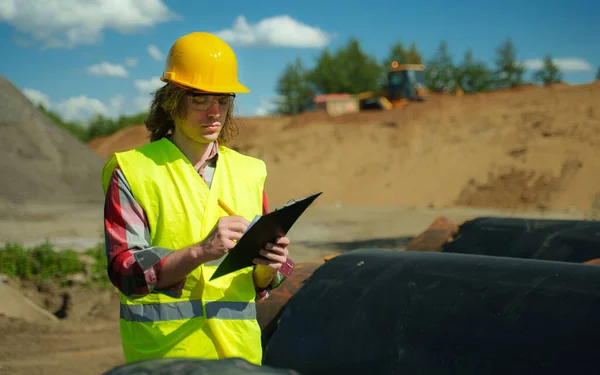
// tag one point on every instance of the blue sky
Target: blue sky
(81, 57)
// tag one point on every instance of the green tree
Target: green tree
(413, 56)
(326, 75)
(441, 74)
(397, 53)
(473, 76)
(350, 70)
(509, 72)
(402, 55)
(361, 71)
(100, 125)
(97, 126)
(293, 89)
(549, 73)
(598, 74)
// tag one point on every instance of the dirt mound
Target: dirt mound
(525, 148)
(125, 139)
(15, 305)
(41, 162)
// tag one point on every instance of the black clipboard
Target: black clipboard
(264, 229)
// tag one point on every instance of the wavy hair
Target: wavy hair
(169, 105)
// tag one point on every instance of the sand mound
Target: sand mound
(40, 161)
(524, 148)
(130, 137)
(15, 305)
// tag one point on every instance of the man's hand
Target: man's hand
(276, 254)
(223, 236)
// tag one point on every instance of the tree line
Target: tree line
(351, 70)
(98, 126)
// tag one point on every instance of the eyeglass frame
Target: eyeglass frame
(194, 94)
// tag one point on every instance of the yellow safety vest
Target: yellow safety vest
(211, 319)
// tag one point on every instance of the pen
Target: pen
(226, 208)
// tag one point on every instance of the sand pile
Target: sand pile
(528, 148)
(41, 162)
(14, 304)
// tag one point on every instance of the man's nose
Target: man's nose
(213, 110)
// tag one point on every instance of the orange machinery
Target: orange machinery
(405, 84)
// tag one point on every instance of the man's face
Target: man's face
(205, 115)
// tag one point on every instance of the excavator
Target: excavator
(405, 84)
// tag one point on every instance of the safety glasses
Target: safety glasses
(203, 102)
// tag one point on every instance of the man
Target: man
(165, 229)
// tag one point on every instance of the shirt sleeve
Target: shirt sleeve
(134, 265)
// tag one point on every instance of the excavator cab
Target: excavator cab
(405, 83)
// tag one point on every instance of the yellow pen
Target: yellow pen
(226, 208)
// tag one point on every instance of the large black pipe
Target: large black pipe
(575, 241)
(382, 312)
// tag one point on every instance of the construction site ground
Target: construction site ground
(385, 176)
(87, 340)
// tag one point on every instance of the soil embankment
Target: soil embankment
(526, 148)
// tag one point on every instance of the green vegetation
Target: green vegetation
(44, 262)
(549, 74)
(98, 126)
(351, 70)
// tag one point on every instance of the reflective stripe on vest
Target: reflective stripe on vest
(160, 312)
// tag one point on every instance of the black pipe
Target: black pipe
(574, 241)
(374, 311)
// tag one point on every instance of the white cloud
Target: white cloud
(568, 64)
(278, 31)
(131, 61)
(67, 23)
(108, 69)
(260, 111)
(155, 52)
(146, 88)
(142, 103)
(266, 106)
(37, 97)
(115, 105)
(78, 108)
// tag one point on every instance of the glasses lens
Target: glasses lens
(204, 101)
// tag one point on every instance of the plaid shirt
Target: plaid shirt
(134, 265)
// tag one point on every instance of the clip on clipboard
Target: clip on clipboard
(263, 229)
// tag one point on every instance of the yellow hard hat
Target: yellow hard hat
(205, 62)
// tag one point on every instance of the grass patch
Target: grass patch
(44, 262)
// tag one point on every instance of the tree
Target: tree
(549, 73)
(509, 73)
(293, 89)
(360, 71)
(350, 70)
(413, 56)
(598, 74)
(325, 76)
(402, 55)
(473, 76)
(440, 75)
(397, 53)
(101, 125)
